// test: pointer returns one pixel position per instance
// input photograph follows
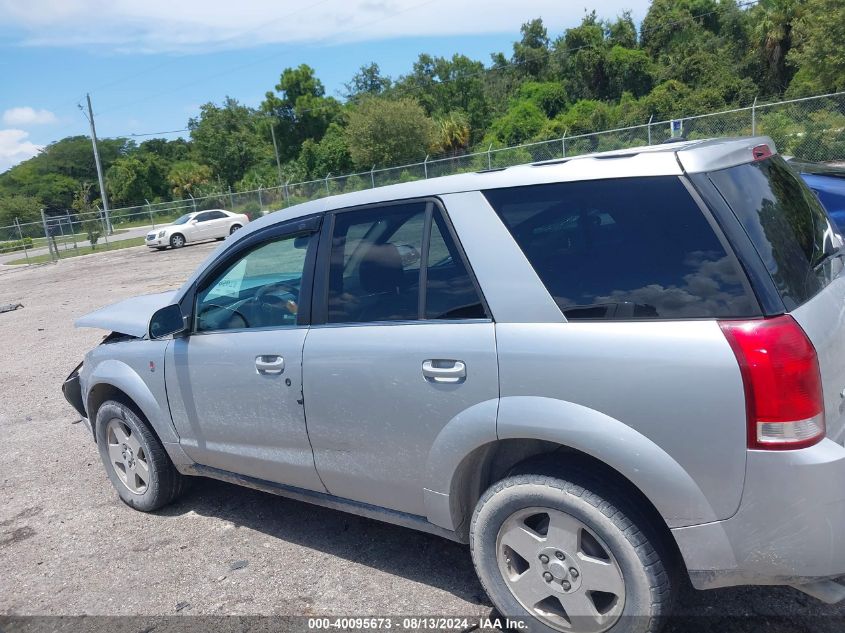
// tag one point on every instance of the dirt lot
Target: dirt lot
(68, 546)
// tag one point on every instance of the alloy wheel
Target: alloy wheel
(127, 456)
(560, 571)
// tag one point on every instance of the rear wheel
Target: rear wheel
(566, 555)
(135, 461)
(234, 228)
(177, 240)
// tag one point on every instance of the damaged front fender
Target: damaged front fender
(72, 390)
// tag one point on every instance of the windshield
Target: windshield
(183, 219)
(786, 223)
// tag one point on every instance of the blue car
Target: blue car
(828, 183)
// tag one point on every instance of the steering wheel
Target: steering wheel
(262, 297)
(234, 313)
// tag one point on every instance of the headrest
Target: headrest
(381, 269)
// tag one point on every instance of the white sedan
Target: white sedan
(214, 224)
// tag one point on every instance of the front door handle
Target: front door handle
(444, 370)
(269, 365)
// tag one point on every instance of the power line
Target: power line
(135, 135)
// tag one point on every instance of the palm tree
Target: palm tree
(773, 31)
(453, 133)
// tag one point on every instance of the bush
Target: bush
(15, 245)
(251, 208)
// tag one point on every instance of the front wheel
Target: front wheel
(177, 241)
(135, 461)
(568, 556)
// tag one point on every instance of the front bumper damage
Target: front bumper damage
(72, 390)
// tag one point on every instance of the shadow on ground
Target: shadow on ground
(445, 565)
(414, 555)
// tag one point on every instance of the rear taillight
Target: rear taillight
(783, 388)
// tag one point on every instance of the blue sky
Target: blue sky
(149, 65)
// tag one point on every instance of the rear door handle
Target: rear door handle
(444, 370)
(269, 365)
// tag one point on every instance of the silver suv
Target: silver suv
(603, 373)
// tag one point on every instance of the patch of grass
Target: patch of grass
(113, 246)
(38, 242)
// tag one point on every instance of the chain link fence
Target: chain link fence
(811, 129)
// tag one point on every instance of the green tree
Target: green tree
(622, 31)
(88, 216)
(819, 34)
(136, 178)
(26, 209)
(367, 81)
(300, 109)
(671, 25)
(169, 151)
(628, 70)
(772, 31)
(388, 132)
(580, 57)
(549, 96)
(453, 133)
(442, 85)
(531, 52)
(521, 123)
(227, 138)
(328, 156)
(263, 175)
(186, 177)
(56, 173)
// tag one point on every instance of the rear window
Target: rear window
(624, 249)
(786, 223)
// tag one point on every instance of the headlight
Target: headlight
(161, 233)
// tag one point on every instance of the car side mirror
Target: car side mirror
(194, 221)
(166, 321)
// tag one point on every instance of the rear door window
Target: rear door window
(380, 259)
(624, 249)
(786, 223)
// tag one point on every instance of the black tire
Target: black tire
(177, 240)
(645, 564)
(234, 228)
(165, 482)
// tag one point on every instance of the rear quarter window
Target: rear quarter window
(622, 249)
(787, 225)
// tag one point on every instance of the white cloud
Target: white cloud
(24, 115)
(14, 148)
(200, 26)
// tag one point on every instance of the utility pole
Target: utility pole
(103, 195)
(276, 148)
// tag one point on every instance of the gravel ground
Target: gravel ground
(68, 546)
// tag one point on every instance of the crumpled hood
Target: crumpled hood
(130, 316)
